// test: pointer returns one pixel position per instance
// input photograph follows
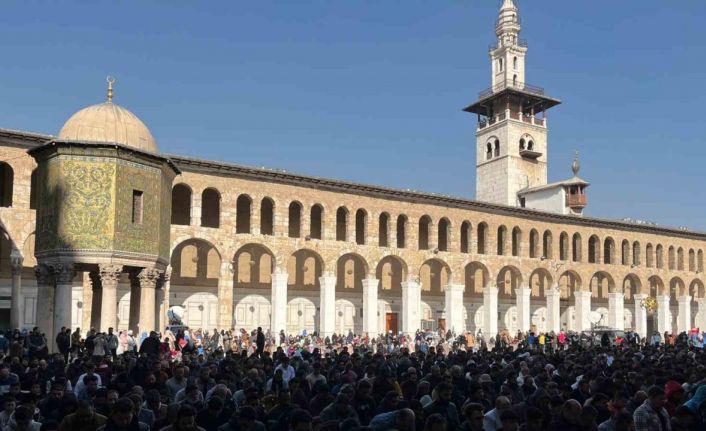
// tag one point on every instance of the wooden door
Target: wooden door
(391, 322)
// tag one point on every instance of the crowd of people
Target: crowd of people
(184, 380)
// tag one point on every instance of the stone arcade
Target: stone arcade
(99, 229)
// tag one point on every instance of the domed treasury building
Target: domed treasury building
(100, 229)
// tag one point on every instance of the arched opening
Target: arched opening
(514, 63)
(680, 259)
(316, 222)
(482, 237)
(636, 254)
(210, 208)
(476, 277)
(443, 235)
(677, 288)
(626, 252)
(522, 144)
(692, 260)
(434, 275)
(569, 282)
(609, 251)
(500, 64)
(361, 218)
(696, 288)
(294, 217)
(516, 241)
(391, 271)
(341, 224)
(351, 270)
(631, 286)
(33, 189)
(514, 80)
(466, 237)
(401, 231)
(7, 176)
(564, 246)
(267, 217)
(489, 151)
(533, 243)
(253, 265)
(649, 256)
(383, 230)
(659, 256)
(672, 257)
(576, 248)
(509, 280)
(304, 269)
(700, 261)
(192, 260)
(601, 284)
(547, 245)
(502, 240)
(424, 227)
(497, 148)
(594, 247)
(243, 208)
(656, 286)
(540, 281)
(181, 205)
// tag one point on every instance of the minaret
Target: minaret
(511, 136)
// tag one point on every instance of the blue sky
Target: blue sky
(372, 91)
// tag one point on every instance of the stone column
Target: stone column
(640, 315)
(45, 300)
(327, 305)
(370, 307)
(163, 299)
(684, 318)
(16, 261)
(148, 282)
(701, 324)
(411, 307)
(196, 208)
(582, 304)
(490, 312)
(553, 309)
(278, 315)
(454, 308)
(135, 293)
(664, 321)
(64, 276)
(225, 296)
(524, 318)
(616, 311)
(109, 277)
(96, 299)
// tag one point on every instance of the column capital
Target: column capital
(639, 296)
(582, 294)
(148, 277)
(490, 290)
(524, 291)
(685, 298)
(327, 278)
(454, 287)
(615, 295)
(64, 273)
(410, 284)
(110, 273)
(16, 261)
(44, 274)
(278, 276)
(370, 283)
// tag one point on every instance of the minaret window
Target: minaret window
(497, 148)
(514, 80)
(500, 64)
(522, 144)
(514, 63)
(489, 153)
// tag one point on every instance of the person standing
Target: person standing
(63, 342)
(260, 342)
(112, 343)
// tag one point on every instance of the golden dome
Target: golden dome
(108, 122)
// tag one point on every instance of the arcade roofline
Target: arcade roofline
(192, 164)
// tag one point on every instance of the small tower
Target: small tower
(511, 136)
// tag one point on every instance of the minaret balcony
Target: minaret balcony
(576, 200)
(513, 115)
